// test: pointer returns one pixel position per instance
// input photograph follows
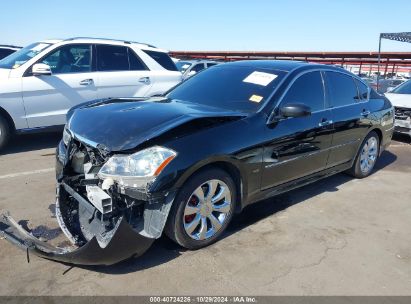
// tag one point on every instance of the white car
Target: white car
(41, 82)
(400, 98)
(191, 67)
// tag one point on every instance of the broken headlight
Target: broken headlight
(137, 169)
(66, 136)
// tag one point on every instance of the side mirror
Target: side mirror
(41, 69)
(295, 110)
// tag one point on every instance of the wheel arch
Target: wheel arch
(227, 165)
(8, 118)
(380, 135)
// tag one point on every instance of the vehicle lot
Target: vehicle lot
(339, 236)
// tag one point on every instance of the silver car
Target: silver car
(191, 67)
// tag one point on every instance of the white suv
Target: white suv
(41, 82)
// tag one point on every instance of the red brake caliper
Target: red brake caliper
(193, 202)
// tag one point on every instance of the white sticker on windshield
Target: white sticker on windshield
(39, 47)
(260, 78)
(185, 66)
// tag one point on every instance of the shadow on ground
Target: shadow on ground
(404, 138)
(32, 142)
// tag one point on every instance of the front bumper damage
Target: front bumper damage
(128, 229)
(402, 120)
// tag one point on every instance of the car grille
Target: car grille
(402, 113)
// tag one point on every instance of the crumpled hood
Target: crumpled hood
(123, 124)
(399, 100)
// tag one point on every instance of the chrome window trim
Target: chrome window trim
(327, 105)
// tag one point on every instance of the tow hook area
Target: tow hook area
(125, 243)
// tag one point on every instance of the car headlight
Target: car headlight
(137, 169)
(66, 137)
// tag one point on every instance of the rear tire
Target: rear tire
(199, 215)
(367, 156)
(5, 132)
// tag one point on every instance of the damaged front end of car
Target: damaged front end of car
(103, 206)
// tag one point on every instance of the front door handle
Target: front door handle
(145, 80)
(365, 113)
(86, 82)
(325, 122)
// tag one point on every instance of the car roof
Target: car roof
(105, 41)
(283, 65)
(199, 60)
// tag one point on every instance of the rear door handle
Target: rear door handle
(86, 82)
(145, 80)
(365, 113)
(325, 122)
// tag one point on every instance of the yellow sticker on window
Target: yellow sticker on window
(256, 98)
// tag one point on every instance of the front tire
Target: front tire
(5, 132)
(367, 156)
(202, 210)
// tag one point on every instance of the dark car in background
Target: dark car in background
(6, 50)
(128, 169)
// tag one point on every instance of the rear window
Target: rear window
(162, 59)
(135, 62)
(118, 58)
(362, 90)
(112, 58)
(342, 88)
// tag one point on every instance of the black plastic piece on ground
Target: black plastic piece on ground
(124, 244)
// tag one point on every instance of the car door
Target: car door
(121, 73)
(350, 111)
(299, 146)
(47, 98)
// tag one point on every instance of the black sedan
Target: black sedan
(186, 162)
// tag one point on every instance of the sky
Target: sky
(259, 25)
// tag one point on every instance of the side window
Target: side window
(210, 64)
(362, 90)
(112, 58)
(162, 59)
(307, 89)
(342, 88)
(198, 67)
(70, 59)
(135, 62)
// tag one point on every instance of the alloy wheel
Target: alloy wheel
(207, 209)
(369, 155)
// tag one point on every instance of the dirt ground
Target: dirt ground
(339, 236)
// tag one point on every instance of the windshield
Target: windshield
(230, 87)
(404, 88)
(20, 57)
(182, 66)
